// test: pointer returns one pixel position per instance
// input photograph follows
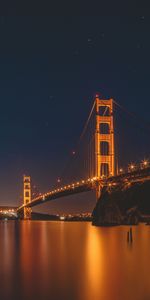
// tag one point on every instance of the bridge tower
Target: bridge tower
(27, 196)
(104, 140)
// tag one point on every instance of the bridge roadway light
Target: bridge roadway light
(92, 179)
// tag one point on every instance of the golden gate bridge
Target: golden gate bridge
(96, 156)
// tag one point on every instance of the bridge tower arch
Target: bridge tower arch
(104, 140)
(27, 196)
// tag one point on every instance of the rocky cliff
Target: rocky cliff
(122, 204)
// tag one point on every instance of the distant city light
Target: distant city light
(62, 218)
(132, 167)
(145, 162)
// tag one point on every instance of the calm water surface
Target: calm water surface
(57, 260)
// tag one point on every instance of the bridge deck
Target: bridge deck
(88, 185)
(75, 188)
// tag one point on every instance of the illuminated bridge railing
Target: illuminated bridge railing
(70, 189)
(138, 173)
(88, 185)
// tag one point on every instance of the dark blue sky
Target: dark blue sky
(50, 68)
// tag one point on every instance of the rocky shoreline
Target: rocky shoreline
(126, 204)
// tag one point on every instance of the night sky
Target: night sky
(50, 70)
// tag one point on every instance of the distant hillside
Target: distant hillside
(39, 216)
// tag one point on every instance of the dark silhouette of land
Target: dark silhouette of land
(123, 204)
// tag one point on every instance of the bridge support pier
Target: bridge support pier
(27, 196)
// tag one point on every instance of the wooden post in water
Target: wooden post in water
(128, 236)
(131, 237)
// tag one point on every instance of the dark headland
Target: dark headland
(127, 203)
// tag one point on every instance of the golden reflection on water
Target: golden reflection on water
(73, 261)
(94, 265)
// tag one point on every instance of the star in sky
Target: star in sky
(102, 35)
(51, 97)
(138, 46)
(142, 17)
(76, 52)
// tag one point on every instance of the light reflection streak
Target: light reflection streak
(94, 264)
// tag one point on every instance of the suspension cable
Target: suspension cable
(146, 125)
(87, 122)
(78, 142)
